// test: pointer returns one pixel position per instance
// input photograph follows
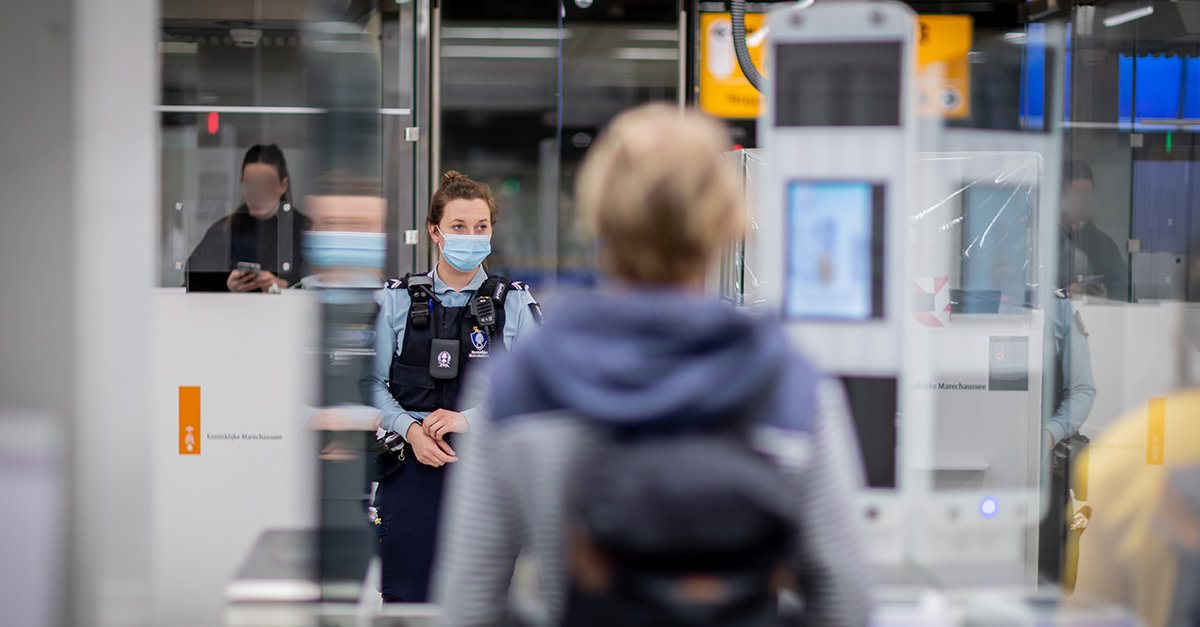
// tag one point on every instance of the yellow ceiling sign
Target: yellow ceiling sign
(724, 90)
(943, 75)
(943, 70)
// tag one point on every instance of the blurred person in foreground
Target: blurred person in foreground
(1139, 542)
(265, 230)
(1089, 262)
(667, 460)
(431, 334)
(346, 245)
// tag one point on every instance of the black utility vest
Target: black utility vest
(410, 382)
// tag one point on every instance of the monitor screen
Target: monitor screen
(837, 84)
(834, 250)
(996, 254)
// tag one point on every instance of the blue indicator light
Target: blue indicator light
(989, 506)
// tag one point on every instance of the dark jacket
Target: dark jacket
(242, 237)
(1103, 258)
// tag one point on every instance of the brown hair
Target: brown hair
(457, 186)
(655, 191)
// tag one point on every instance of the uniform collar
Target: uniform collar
(440, 287)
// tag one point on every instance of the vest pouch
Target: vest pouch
(444, 358)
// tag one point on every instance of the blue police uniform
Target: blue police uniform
(405, 385)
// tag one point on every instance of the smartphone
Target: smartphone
(246, 266)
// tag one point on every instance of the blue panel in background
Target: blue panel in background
(1067, 80)
(1166, 87)
(1163, 201)
(1159, 87)
(1033, 78)
(1191, 88)
(1125, 91)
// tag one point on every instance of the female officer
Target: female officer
(431, 331)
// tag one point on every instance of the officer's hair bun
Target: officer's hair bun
(451, 175)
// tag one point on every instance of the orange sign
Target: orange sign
(943, 70)
(189, 420)
(724, 89)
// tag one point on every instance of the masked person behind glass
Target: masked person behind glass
(1089, 262)
(432, 330)
(666, 459)
(264, 230)
(346, 245)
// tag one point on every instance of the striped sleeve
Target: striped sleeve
(480, 539)
(832, 573)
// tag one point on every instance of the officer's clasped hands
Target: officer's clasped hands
(443, 421)
(429, 451)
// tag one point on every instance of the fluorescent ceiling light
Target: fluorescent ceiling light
(467, 32)
(646, 54)
(500, 52)
(177, 47)
(1130, 16)
(652, 34)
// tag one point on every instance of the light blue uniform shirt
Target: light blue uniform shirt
(1074, 357)
(392, 323)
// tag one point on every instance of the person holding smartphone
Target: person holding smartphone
(257, 247)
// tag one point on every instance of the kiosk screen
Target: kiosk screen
(834, 251)
(838, 84)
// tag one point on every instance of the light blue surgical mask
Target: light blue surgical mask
(344, 249)
(465, 252)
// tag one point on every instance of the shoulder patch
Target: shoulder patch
(1061, 293)
(519, 286)
(396, 284)
(536, 310)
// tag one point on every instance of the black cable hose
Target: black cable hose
(737, 12)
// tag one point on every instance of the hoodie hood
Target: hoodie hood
(643, 356)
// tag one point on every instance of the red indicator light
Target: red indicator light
(214, 123)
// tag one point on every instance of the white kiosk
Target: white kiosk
(882, 286)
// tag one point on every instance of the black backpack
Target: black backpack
(685, 526)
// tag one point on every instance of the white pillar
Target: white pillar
(116, 181)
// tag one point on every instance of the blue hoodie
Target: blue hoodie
(655, 357)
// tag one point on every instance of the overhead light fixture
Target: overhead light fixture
(245, 37)
(475, 32)
(500, 52)
(1129, 16)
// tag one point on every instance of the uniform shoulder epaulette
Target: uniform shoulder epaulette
(1061, 293)
(519, 286)
(397, 284)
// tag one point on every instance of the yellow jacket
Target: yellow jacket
(1141, 524)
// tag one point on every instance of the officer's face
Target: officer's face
(463, 217)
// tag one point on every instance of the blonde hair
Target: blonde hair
(655, 191)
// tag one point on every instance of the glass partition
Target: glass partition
(237, 77)
(524, 91)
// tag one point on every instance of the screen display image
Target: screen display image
(834, 251)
